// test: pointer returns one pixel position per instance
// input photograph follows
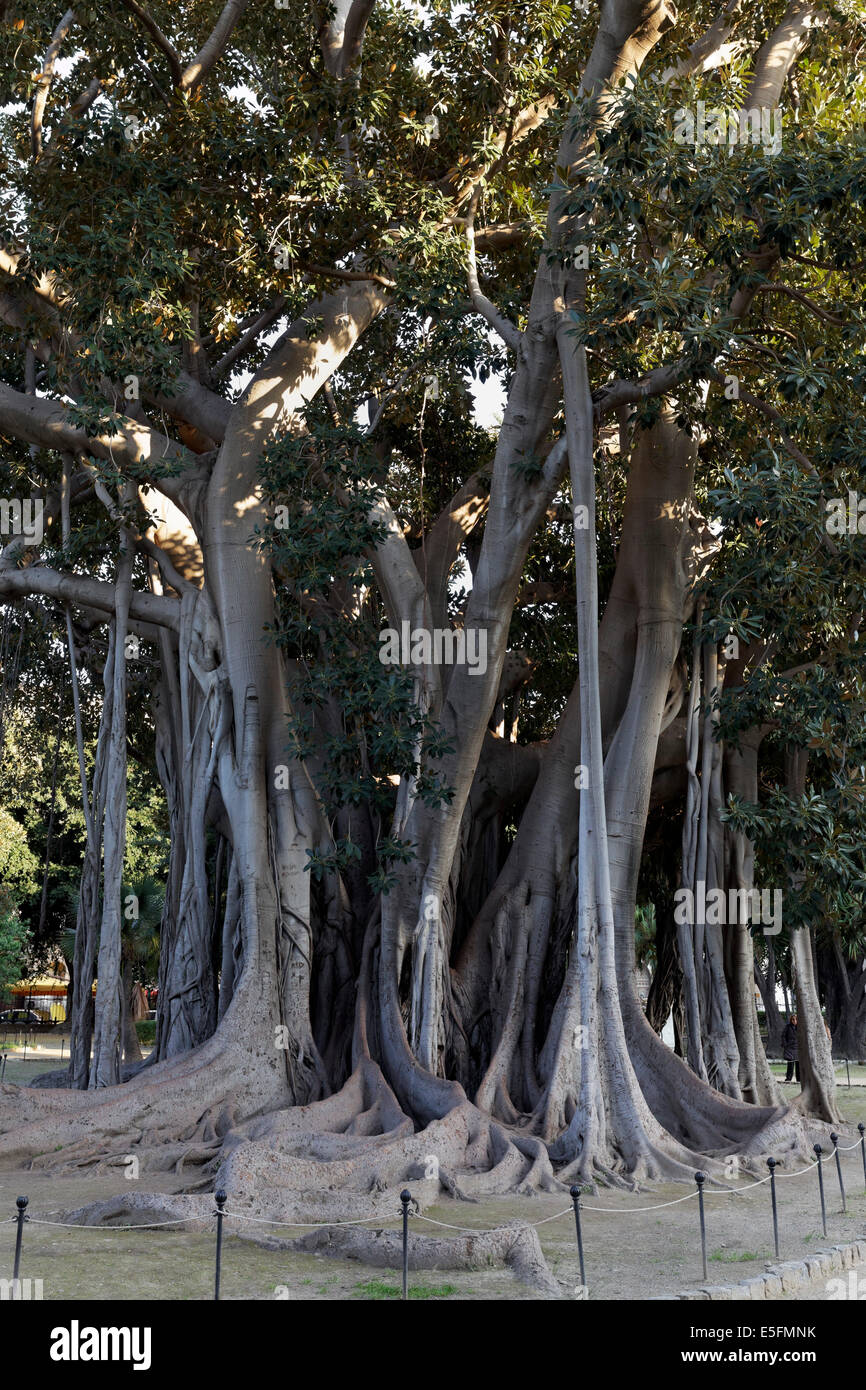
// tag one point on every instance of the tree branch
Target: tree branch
(507, 331)
(47, 424)
(249, 336)
(777, 56)
(212, 49)
(802, 299)
(442, 544)
(91, 593)
(159, 38)
(43, 86)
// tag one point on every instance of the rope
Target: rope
(626, 1211)
(799, 1171)
(544, 1220)
(313, 1225)
(469, 1230)
(731, 1191)
(137, 1226)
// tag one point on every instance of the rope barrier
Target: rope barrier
(800, 1171)
(734, 1191)
(313, 1225)
(626, 1211)
(135, 1226)
(469, 1230)
(406, 1199)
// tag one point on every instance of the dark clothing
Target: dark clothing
(789, 1050)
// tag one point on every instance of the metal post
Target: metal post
(62, 1045)
(700, 1179)
(862, 1129)
(818, 1151)
(771, 1164)
(575, 1197)
(3, 1072)
(221, 1199)
(405, 1198)
(848, 1070)
(835, 1139)
(21, 1204)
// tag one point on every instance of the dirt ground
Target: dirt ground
(632, 1250)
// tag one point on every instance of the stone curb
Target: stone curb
(779, 1279)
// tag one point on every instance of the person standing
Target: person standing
(789, 1048)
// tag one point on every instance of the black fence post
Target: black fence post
(835, 1139)
(405, 1198)
(848, 1070)
(21, 1204)
(700, 1179)
(862, 1129)
(771, 1164)
(3, 1072)
(220, 1199)
(818, 1151)
(575, 1198)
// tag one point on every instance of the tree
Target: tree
(13, 943)
(243, 297)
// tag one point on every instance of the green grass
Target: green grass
(377, 1289)
(732, 1257)
(146, 1030)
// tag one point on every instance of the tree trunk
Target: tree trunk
(817, 1077)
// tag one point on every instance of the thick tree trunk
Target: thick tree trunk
(817, 1077)
(766, 982)
(756, 1080)
(105, 1068)
(129, 1034)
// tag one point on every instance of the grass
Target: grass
(733, 1257)
(377, 1289)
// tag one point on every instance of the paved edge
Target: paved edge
(779, 1279)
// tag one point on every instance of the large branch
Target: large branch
(213, 47)
(777, 56)
(195, 405)
(80, 589)
(712, 48)
(159, 39)
(342, 35)
(43, 86)
(442, 543)
(508, 332)
(47, 425)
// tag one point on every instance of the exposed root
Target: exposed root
(516, 1246)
